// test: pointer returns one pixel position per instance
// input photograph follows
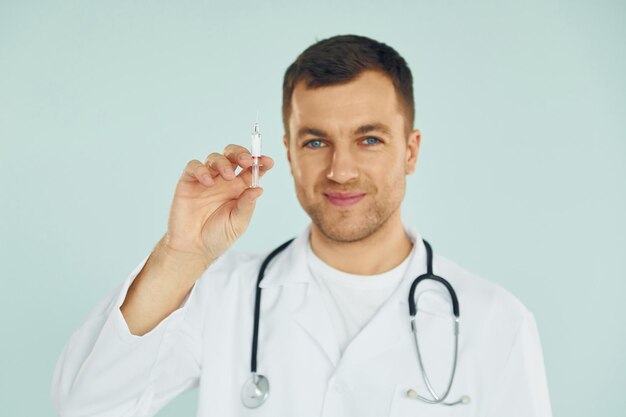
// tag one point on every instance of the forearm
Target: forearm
(160, 288)
(104, 370)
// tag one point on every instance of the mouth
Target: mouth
(344, 199)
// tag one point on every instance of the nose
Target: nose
(343, 167)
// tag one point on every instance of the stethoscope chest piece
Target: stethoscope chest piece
(255, 391)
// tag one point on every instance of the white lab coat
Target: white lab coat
(104, 370)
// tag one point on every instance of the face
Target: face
(349, 155)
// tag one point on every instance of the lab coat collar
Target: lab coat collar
(389, 327)
(293, 268)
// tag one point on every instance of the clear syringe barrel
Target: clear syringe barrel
(255, 150)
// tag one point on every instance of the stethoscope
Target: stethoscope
(256, 389)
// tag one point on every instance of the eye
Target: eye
(371, 140)
(315, 143)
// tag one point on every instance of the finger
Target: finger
(197, 171)
(244, 208)
(265, 164)
(238, 155)
(218, 164)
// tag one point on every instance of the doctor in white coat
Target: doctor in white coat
(334, 332)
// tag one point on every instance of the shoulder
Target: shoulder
(484, 298)
(236, 273)
(227, 281)
(493, 320)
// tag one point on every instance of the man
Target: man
(334, 336)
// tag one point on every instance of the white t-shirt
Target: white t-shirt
(352, 300)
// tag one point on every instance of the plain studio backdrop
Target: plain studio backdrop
(520, 179)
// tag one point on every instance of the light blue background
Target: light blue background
(520, 178)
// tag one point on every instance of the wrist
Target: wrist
(177, 259)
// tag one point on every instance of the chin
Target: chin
(347, 228)
(346, 225)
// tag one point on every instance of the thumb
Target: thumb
(244, 208)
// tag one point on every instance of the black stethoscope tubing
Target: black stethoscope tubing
(430, 275)
(260, 395)
(412, 310)
(257, 302)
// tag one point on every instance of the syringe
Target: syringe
(256, 154)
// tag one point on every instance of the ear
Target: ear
(412, 150)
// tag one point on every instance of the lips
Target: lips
(344, 199)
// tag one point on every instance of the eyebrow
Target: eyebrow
(373, 127)
(370, 127)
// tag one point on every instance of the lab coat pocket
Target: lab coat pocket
(404, 406)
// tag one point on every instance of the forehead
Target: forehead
(370, 97)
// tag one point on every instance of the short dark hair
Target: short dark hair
(339, 60)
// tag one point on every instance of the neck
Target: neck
(381, 251)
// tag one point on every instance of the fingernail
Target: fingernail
(245, 157)
(228, 171)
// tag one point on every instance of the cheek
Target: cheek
(391, 176)
(387, 168)
(296, 167)
(300, 173)
(296, 172)
(306, 171)
(303, 182)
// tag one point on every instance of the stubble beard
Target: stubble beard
(353, 224)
